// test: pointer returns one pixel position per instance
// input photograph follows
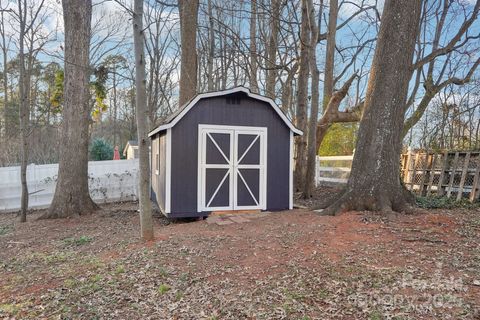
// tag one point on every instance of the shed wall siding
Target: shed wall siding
(249, 112)
(153, 175)
(158, 180)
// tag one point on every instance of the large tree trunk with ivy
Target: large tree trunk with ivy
(374, 182)
(71, 193)
(146, 223)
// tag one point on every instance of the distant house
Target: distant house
(131, 150)
(225, 150)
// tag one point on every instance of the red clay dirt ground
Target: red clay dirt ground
(284, 265)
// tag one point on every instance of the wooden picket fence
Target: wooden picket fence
(450, 174)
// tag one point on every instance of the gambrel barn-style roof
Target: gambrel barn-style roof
(176, 116)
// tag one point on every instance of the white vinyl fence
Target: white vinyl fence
(334, 169)
(111, 180)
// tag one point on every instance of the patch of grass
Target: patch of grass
(287, 308)
(163, 272)
(163, 288)
(93, 262)
(95, 278)
(66, 310)
(178, 295)
(54, 257)
(120, 269)
(91, 284)
(70, 283)
(294, 295)
(323, 294)
(445, 203)
(10, 308)
(77, 241)
(5, 229)
(375, 315)
(184, 277)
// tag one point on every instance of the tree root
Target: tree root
(389, 203)
(69, 209)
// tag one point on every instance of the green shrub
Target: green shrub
(101, 150)
(340, 140)
(445, 203)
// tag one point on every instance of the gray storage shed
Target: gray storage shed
(224, 150)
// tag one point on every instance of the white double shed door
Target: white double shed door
(232, 168)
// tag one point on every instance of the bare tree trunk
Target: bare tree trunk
(24, 113)
(71, 193)
(374, 182)
(6, 123)
(253, 47)
(272, 49)
(302, 92)
(477, 136)
(152, 88)
(287, 88)
(328, 78)
(330, 53)
(26, 16)
(146, 223)
(188, 30)
(211, 47)
(312, 125)
(115, 105)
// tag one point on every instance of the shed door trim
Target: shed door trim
(290, 178)
(237, 170)
(168, 171)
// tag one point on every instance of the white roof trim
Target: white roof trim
(221, 93)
